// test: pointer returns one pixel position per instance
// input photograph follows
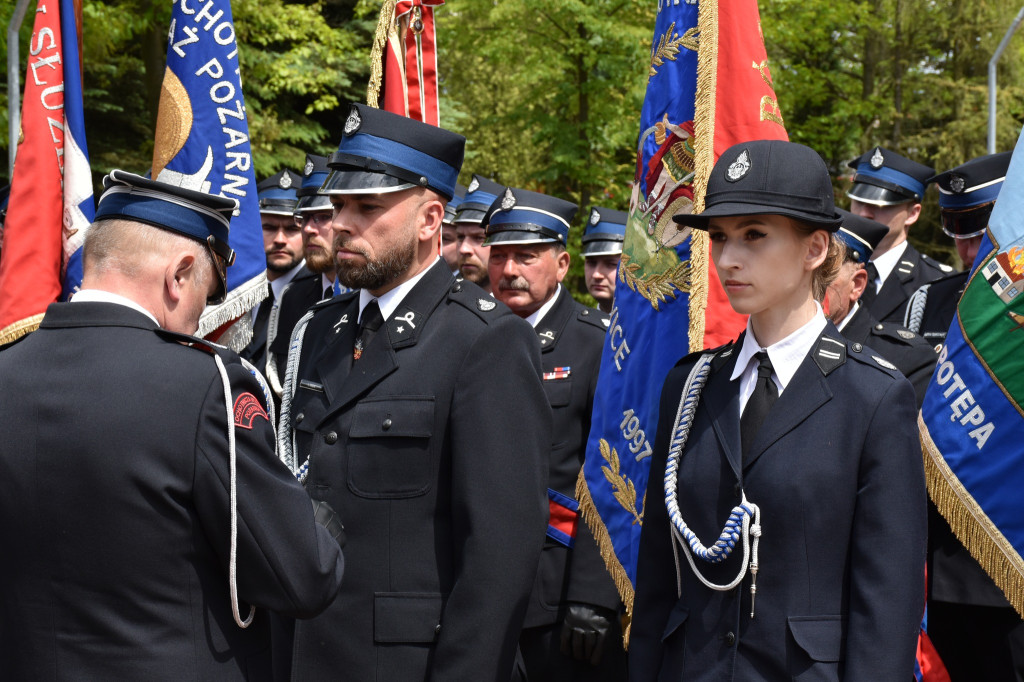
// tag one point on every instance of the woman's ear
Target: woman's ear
(817, 249)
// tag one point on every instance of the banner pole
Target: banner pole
(14, 82)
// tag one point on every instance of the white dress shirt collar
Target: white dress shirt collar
(100, 296)
(540, 312)
(886, 262)
(284, 280)
(785, 355)
(390, 301)
(849, 316)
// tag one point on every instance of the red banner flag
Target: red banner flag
(30, 270)
(404, 60)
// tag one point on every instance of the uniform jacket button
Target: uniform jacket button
(730, 639)
(299, 417)
(879, 326)
(386, 424)
(858, 347)
(437, 629)
(331, 438)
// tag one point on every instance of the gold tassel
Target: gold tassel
(704, 141)
(380, 40)
(971, 524)
(604, 544)
(16, 330)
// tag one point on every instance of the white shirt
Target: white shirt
(390, 301)
(786, 356)
(886, 262)
(540, 312)
(100, 296)
(325, 282)
(277, 286)
(849, 316)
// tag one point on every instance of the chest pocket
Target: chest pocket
(389, 454)
(559, 391)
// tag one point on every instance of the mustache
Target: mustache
(343, 242)
(513, 284)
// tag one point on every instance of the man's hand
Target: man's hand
(585, 630)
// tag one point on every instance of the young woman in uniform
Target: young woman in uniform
(784, 530)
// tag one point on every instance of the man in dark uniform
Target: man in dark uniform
(469, 230)
(449, 238)
(315, 281)
(400, 405)
(912, 355)
(602, 248)
(282, 243)
(888, 189)
(967, 195)
(571, 630)
(976, 632)
(143, 514)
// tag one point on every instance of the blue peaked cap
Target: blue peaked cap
(605, 232)
(519, 216)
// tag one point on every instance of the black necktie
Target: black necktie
(760, 402)
(328, 292)
(870, 291)
(371, 322)
(259, 325)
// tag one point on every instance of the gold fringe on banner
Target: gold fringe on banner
(604, 543)
(971, 525)
(16, 330)
(704, 141)
(380, 41)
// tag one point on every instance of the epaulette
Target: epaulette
(204, 345)
(483, 305)
(936, 264)
(895, 332)
(595, 318)
(829, 354)
(722, 354)
(333, 300)
(871, 360)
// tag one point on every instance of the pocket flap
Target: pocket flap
(392, 416)
(406, 617)
(559, 391)
(676, 617)
(821, 637)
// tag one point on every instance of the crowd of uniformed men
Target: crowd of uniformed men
(429, 380)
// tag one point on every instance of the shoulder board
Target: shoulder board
(942, 267)
(594, 318)
(830, 354)
(473, 298)
(333, 300)
(722, 354)
(895, 333)
(872, 359)
(205, 345)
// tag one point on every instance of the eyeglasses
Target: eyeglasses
(320, 219)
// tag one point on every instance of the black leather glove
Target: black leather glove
(585, 630)
(325, 515)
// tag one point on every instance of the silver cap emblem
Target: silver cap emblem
(957, 184)
(286, 181)
(877, 160)
(474, 185)
(595, 216)
(485, 305)
(353, 122)
(509, 200)
(738, 168)
(308, 170)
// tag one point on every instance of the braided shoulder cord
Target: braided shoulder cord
(285, 437)
(915, 309)
(744, 520)
(271, 372)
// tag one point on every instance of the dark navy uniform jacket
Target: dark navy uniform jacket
(571, 335)
(912, 355)
(943, 295)
(115, 514)
(837, 472)
(432, 450)
(913, 270)
(304, 291)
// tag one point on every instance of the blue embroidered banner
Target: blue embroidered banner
(202, 142)
(971, 420)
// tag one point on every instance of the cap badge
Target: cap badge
(308, 170)
(509, 200)
(595, 216)
(285, 182)
(877, 160)
(957, 184)
(485, 305)
(353, 122)
(738, 168)
(474, 185)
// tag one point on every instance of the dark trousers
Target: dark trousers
(977, 643)
(545, 662)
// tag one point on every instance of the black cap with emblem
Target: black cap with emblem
(480, 194)
(277, 193)
(519, 216)
(383, 152)
(860, 235)
(605, 232)
(453, 204)
(768, 177)
(313, 175)
(884, 178)
(967, 194)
